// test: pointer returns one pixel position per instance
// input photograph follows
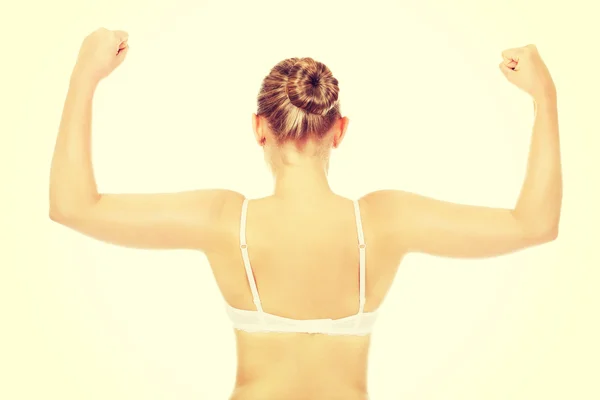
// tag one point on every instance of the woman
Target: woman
(302, 271)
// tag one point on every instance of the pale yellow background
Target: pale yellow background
(430, 112)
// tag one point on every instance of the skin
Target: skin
(302, 239)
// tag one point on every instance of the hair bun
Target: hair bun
(312, 87)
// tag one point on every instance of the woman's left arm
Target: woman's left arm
(190, 220)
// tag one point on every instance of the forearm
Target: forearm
(539, 202)
(72, 182)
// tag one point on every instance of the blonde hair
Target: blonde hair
(299, 98)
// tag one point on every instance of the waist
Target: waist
(275, 391)
(295, 364)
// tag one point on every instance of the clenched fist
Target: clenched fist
(101, 52)
(524, 67)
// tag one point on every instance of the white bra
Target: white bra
(258, 320)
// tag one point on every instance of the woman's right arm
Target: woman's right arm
(415, 223)
(181, 220)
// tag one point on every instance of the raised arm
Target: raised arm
(190, 220)
(415, 223)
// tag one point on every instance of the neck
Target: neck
(304, 179)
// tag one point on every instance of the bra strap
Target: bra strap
(361, 249)
(244, 248)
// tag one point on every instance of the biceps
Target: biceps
(152, 221)
(465, 232)
(446, 229)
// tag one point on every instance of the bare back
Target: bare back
(305, 261)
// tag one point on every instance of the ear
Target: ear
(340, 128)
(259, 129)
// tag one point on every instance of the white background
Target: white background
(429, 112)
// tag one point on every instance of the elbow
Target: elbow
(62, 214)
(537, 233)
(548, 234)
(552, 228)
(58, 215)
(553, 233)
(58, 208)
(66, 212)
